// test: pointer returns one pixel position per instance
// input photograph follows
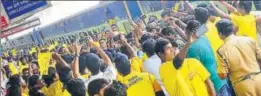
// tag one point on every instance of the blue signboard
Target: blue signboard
(16, 8)
(134, 9)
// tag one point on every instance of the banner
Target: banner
(19, 10)
(4, 23)
(19, 28)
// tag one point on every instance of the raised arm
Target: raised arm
(75, 64)
(189, 6)
(128, 46)
(178, 60)
(229, 7)
(59, 59)
(104, 56)
(220, 12)
(180, 31)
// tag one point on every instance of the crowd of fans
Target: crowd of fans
(196, 51)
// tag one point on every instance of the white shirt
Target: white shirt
(110, 73)
(152, 65)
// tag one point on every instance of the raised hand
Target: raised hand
(56, 56)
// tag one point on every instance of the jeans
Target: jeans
(224, 91)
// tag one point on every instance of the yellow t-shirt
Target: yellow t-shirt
(21, 67)
(213, 37)
(85, 76)
(173, 80)
(12, 68)
(195, 75)
(33, 49)
(136, 64)
(140, 84)
(25, 91)
(246, 24)
(55, 89)
(145, 57)
(14, 52)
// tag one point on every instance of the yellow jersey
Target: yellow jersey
(55, 89)
(173, 81)
(189, 80)
(21, 67)
(136, 64)
(25, 91)
(213, 37)
(195, 75)
(12, 68)
(246, 24)
(140, 84)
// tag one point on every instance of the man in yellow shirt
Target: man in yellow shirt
(22, 64)
(54, 86)
(12, 66)
(188, 76)
(139, 84)
(238, 60)
(127, 49)
(244, 22)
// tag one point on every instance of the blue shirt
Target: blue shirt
(202, 50)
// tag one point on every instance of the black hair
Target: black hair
(188, 18)
(25, 77)
(22, 58)
(82, 62)
(14, 86)
(93, 63)
(246, 5)
(192, 26)
(76, 87)
(32, 81)
(166, 12)
(174, 43)
(145, 36)
(35, 92)
(49, 79)
(159, 48)
(122, 64)
(68, 58)
(65, 73)
(201, 14)
(225, 27)
(102, 40)
(212, 11)
(204, 5)
(116, 89)
(149, 47)
(167, 31)
(124, 50)
(95, 86)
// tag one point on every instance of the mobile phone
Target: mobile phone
(201, 30)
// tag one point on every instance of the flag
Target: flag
(43, 60)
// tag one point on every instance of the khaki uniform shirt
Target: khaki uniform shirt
(238, 57)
